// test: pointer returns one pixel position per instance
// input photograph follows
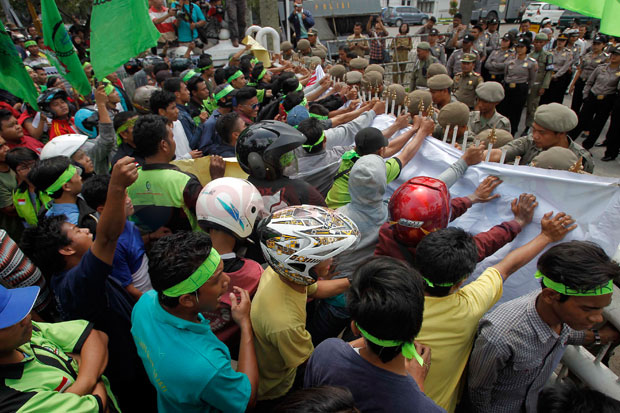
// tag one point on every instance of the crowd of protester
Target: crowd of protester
(130, 284)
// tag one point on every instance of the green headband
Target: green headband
(235, 75)
(318, 142)
(348, 155)
(130, 122)
(254, 60)
(203, 69)
(299, 87)
(62, 179)
(198, 277)
(253, 84)
(30, 43)
(189, 75)
(223, 93)
(85, 64)
(261, 74)
(431, 284)
(566, 290)
(319, 117)
(408, 349)
(27, 67)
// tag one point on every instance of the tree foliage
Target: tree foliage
(68, 8)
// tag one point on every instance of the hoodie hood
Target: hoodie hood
(367, 185)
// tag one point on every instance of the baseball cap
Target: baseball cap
(296, 115)
(15, 304)
(468, 38)
(433, 32)
(370, 140)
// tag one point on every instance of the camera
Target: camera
(181, 14)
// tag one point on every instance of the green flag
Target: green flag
(13, 75)
(59, 49)
(606, 10)
(119, 30)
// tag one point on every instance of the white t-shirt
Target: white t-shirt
(180, 138)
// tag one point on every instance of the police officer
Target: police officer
(353, 78)
(519, 76)
(303, 48)
(502, 137)
(561, 159)
(287, 51)
(587, 64)
(440, 87)
(359, 64)
(613, 133)
(488, 94)
(480, 41)
(492, 35)
(453, 115)
(454, 62)
(420, 67)
(436, 69)
(437, 48)
(550, 127)
(496, 62)
(337, 72)
(562, 72)
(600, 93)
(465, 82)
(573, 46)
(544, 62)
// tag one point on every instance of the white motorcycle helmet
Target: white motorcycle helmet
(63, 145)
(297, 238)
(229, 203)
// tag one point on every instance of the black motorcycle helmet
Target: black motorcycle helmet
(132, 66)
(260, 146)
(180, 64)
(46, 98)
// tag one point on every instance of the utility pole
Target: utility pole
(268, 14)
(465, 8)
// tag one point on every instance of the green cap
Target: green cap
(454, 114)
(490, 92)
(468, 58)
(555, 117)
(440, 82)
(541, 36)
(424, 46)
(562, 159)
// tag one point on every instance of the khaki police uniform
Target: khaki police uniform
(357, 44)
(454, 62)
(420, 68)
(561, 77)
(545, 66)
(492, 41)
(478, 124)
(587, 64)
(519, 76)
(464, 87)
(439, 52)
(496, 63)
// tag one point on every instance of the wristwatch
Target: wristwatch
(597, 337)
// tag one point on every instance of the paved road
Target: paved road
(601, 168)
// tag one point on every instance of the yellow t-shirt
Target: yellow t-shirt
(281, 340)
(449, 327)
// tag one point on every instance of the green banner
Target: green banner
(13, 75)
(606, 10)
(120, 30)
(59, 49)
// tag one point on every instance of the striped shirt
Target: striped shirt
(514, 356)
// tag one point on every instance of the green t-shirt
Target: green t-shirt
(338, 196)
(12, 224)
(38, 382)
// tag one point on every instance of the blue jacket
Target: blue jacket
(308, 22)
(192, 131)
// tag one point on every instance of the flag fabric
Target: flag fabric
(606, 10)
(316, 76)
(120, 30)
(13, 75)
(59, 48)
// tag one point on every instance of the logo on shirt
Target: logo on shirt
(148, 186)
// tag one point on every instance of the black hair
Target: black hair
(318, 109)
(324, 399)
(225, 125)
(312, 130)
(244, 94)
(293, 99)
(477, 26)
(42, 242)
(148, 131)
(569, 397)
(458, 16)
(38, 67)
(122, 117)
(161, 99)
(401, 27)
(386, 299)
(245, 64)
(95, 190)
(204, 60)
(47, 171)
(448, 255)
(192, 84)
(229, 71)
(219, 76)
(352, 55)
(525, 21)
(278, 81)
(580, 265)
(158, 67)
(433, 19)
(162, 76)
(175, 257)
(20, 155)
(172, 84)
(290, 85)
(5, 115)
(358, 24)
(258, 69)
(344, 48)
(51, 80)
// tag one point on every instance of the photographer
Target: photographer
(164, 20)
(301, 20)
(375, 28)
(188, 18)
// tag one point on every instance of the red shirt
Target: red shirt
(165, 26)
(27, 142)
(62, 127)
(487, 242)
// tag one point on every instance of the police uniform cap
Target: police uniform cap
(502, 137)
(418, 96)
(546, 31)
(436, 69)
(555, 158)
(468, 58)
(599, 39)
(572, 32)
(312, 32)
(286, 46)
(375, 68)
(303, 44)
(317, 51)
(555, 117)
(615, 49)
(306, 60)
(507, 36)
(338, 71)
(315, 60)
(433, 32)
(490, 92)
(358, 63)
(493, 21)
(454, 113)
(353, 78)
(439, 82)
(424, 46)
(400, 92)
(523, 42)
(541, 36)
(563, 36)
(372, 79)
(468, 38)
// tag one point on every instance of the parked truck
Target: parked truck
(490, 9)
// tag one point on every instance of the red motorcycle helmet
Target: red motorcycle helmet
(418, 207)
